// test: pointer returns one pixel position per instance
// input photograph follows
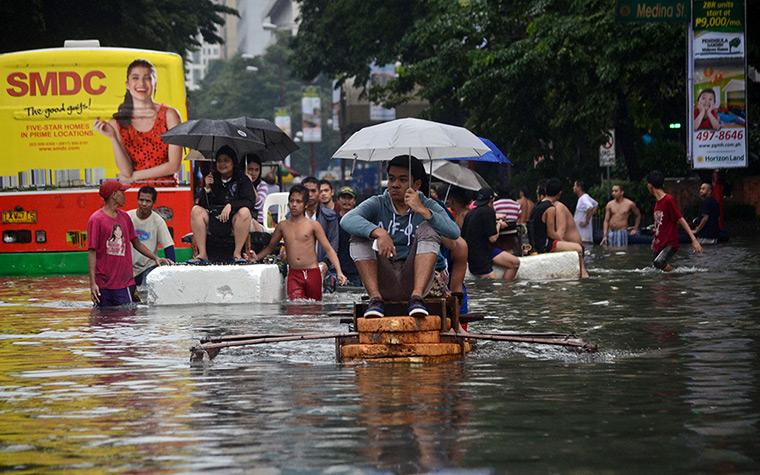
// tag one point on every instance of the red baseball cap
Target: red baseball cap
(110, 186)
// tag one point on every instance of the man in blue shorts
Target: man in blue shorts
(481, 230)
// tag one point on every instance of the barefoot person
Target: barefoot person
(227, 195)
(565, 224)
(667, 217)
(616, 214)
(543, 224)
(301, 235)
(135, 131)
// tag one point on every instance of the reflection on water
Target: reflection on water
(674, 387)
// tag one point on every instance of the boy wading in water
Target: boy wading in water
(301, 236)
(667, 217)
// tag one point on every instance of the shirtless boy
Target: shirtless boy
(544, 222)
(616, 219)
(301, 235)
(526, 206)
(565, 223)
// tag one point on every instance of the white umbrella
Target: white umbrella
(421, 138)
(454, 174)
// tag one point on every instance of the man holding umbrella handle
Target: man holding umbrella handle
(396, 237)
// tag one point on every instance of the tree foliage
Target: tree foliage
(230, 90)
(166, 25)
(542, 78)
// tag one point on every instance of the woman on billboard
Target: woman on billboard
(135, 131)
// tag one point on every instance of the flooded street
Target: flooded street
(674, 387)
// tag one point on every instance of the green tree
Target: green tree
(166, 25)
(231, 90)
(542, 78)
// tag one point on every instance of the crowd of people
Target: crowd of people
(396, 244)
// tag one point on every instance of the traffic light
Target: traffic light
(675, 125)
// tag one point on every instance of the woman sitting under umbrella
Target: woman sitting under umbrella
(227, 196)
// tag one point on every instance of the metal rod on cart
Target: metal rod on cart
(277, 339)
(575, 342)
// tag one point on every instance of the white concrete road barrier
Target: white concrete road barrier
(549, 266)
(225, 284)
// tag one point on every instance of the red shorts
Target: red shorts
(305, 284)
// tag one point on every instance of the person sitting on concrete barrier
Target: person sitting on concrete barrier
(526, 206)
(253, 171)
(301, 235)
(152, 230)
(396, 237)
(505, 207)
(225, 204)
(481, 229)
(544, 236)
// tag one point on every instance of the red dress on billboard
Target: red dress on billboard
(147, 150)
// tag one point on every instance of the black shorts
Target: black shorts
(661, 258)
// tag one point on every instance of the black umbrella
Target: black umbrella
(207, 136)
(278, 144)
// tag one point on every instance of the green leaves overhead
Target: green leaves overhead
(524, 73)
(167, 25)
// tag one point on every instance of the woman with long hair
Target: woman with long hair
(226, 196)
(135, 131)
(253, 170)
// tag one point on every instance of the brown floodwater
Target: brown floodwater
(674, 387)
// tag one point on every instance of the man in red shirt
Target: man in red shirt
(110, 237)
(667, 217)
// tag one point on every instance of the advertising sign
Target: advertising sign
(49, 100)
(717, 92)
(311, 116)
(282, 120)
(336, 93)
(379, 76)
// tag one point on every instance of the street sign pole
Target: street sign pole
(607, 157)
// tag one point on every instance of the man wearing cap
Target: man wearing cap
(109, 260)
(481, 230)
(347, 202)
